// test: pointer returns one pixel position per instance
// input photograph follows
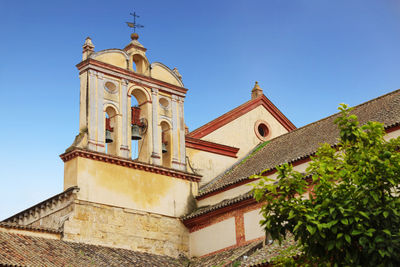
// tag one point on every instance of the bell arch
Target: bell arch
(112, 129)
(139, 101)
(140, 64)
(166, 143)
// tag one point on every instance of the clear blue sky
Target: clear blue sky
(308, 56)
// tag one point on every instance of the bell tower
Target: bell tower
(128, 162)
(123, 98)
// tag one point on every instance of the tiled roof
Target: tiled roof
(249, 255)
(11, 225)
(304, 141)
(22, 250)
(266, 254)
(227, 202)
(224, 258)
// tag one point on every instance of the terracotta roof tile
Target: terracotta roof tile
(227, 202)
(22, 250)
(304, 141)
(226, 257)
(29, 227)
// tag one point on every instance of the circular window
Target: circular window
(110, 87)
(261, 129)
(164, 103)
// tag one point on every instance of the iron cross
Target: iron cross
(134, 25)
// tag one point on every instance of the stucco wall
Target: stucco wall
(240, 132)
(213, 238)
(116, 185)
(209, 165)
(252, 227)
(126, 228)
(113, 58)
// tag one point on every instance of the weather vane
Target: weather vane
(134, 25)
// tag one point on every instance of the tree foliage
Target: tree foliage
(345, 211)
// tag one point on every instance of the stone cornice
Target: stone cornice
(130, 75)
(129, 164)
(211, 147)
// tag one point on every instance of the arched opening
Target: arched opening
(139, 63)
(166, 144)
(134, 143)
(138, 115)
(111, 131)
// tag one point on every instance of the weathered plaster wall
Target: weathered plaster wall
(126, 228)
(113, 58)
(209, 165)
(252, 227)
(215, 237)
(121, 186)
(161, 73)
(240, 132)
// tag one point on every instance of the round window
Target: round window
(164, 103)
(110, 87)
(261, 130)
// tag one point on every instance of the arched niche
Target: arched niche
(111, 114)
(166, 139)
(140, 64)
(139, 97)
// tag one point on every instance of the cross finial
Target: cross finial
(134, 25)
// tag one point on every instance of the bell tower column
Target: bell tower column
(182, 135)
(94, 143)
(155, 155)
(175, 148)
(100, 114)
(124, 149)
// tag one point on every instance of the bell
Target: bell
(108, 137)
(136, 132)
(164, 148)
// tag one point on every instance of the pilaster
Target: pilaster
(175, 140)
(156, 158)
(182, 134)
(124, 149)
(92, 142)
(100, 114)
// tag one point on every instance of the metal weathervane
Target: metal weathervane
(134, 25)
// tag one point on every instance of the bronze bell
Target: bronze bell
(108, 136)
(164, 148)
(136, 132)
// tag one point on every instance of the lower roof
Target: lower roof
(23, 250)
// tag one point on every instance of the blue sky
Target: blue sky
(308, 56)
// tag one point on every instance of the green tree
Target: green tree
(351, 217)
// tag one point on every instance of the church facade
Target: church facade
(138, 183)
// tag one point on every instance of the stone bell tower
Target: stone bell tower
(128, 161)
(113, 80)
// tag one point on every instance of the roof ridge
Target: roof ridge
(224, 114)
(67, 191)
(29, 227)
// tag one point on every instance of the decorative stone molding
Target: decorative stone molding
(92, 64)
(129, 164)
(44, 208)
